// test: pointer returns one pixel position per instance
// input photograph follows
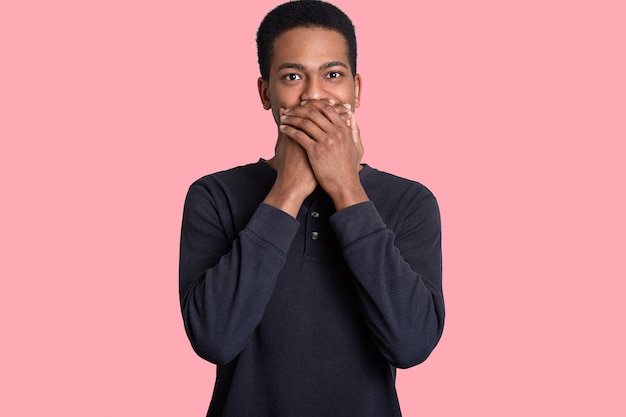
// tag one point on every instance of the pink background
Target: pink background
(512, 112)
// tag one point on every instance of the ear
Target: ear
(357, 90)
(264, 94)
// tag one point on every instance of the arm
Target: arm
(227, 280)
(333, 148)
(225, 284)
(295, 178)
(397, 277)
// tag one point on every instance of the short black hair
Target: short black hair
(302, 13)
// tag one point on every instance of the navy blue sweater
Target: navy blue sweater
(309, 316)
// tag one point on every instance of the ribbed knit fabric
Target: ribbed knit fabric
(309, 316)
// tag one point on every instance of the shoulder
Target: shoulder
(227, 199)
(239, 177)
(397, 198)
(386, 185)
(251, 181)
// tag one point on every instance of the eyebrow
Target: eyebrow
(303, 68)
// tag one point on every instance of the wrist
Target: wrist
(285, 199)
(345, 197)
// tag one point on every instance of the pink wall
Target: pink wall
(513, 113)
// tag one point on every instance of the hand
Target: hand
(334, 149)
(295, 180)
(343, 109)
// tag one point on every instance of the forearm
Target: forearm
(223, 300)
(400, 295)
(286, 199)
(294, 179)
(346, 194)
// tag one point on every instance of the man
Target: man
(309, 278)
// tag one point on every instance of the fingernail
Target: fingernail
(331, 101)
(282, 127)
(283, 117)
(287, 111)
(347, 106)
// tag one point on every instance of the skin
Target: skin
(313, 95)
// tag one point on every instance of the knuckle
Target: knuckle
(329, 141)
(306, 123)
(298, 135)
(311, 112)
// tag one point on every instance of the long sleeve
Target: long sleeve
(226, 274)
(397, 276)
(294, 311)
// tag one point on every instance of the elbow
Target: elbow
(212, 349)
(214, 344)
(411, 356)
(211, 341)
(214, 354)
(416, 349)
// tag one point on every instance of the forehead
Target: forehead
(309, 44)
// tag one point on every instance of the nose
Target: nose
(312, 90)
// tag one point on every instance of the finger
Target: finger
(329, 100)
(356, 133)
(343, 109)
(298, 136)
(310, 120)
(321, 113)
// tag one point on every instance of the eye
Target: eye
(334, 74)
(292, 77)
